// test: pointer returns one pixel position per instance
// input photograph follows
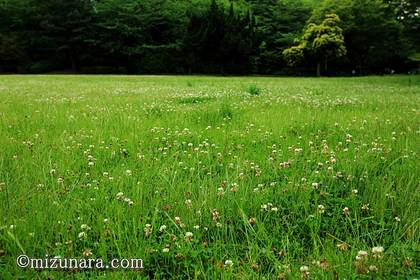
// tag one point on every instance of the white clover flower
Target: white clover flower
(373, 268)
(346, 211)
(162, 228)
(215, 215)
(229, 263)
(188, 203)
(285, 164)
(377, 250)
(220, 191)
(196, 227)
(128, 172)
(252, 221)
(188, 236)
(82, 235)
(120, 195)
(84, 227)
(165, 250)
(361, 255)
(365, 207)
(304, 268)
(321, 209)
(147, 230)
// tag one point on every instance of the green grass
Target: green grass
(254, 172)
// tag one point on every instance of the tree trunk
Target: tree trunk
(360, 65)
(326, 66)
(73, 64)
(74, 61)
(318, 69)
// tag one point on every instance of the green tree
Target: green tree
(371, 31)
(408, 14)
(139, 36)
(295, 54)
(323, 42)
(278, 23)
(13, 18)
(62, 26)
(220, 39)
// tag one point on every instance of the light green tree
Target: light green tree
(322, 42)
(373, 35)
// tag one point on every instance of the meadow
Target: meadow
(211, 177)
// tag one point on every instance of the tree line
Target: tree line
(298, 37)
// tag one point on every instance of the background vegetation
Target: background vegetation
(209, 36)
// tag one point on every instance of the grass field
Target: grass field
(212, 178)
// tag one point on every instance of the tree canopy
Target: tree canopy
(209, 36)
(322, 41)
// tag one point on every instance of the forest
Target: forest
(242, 37)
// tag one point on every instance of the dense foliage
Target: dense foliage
(205, 36)
(323, 42)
